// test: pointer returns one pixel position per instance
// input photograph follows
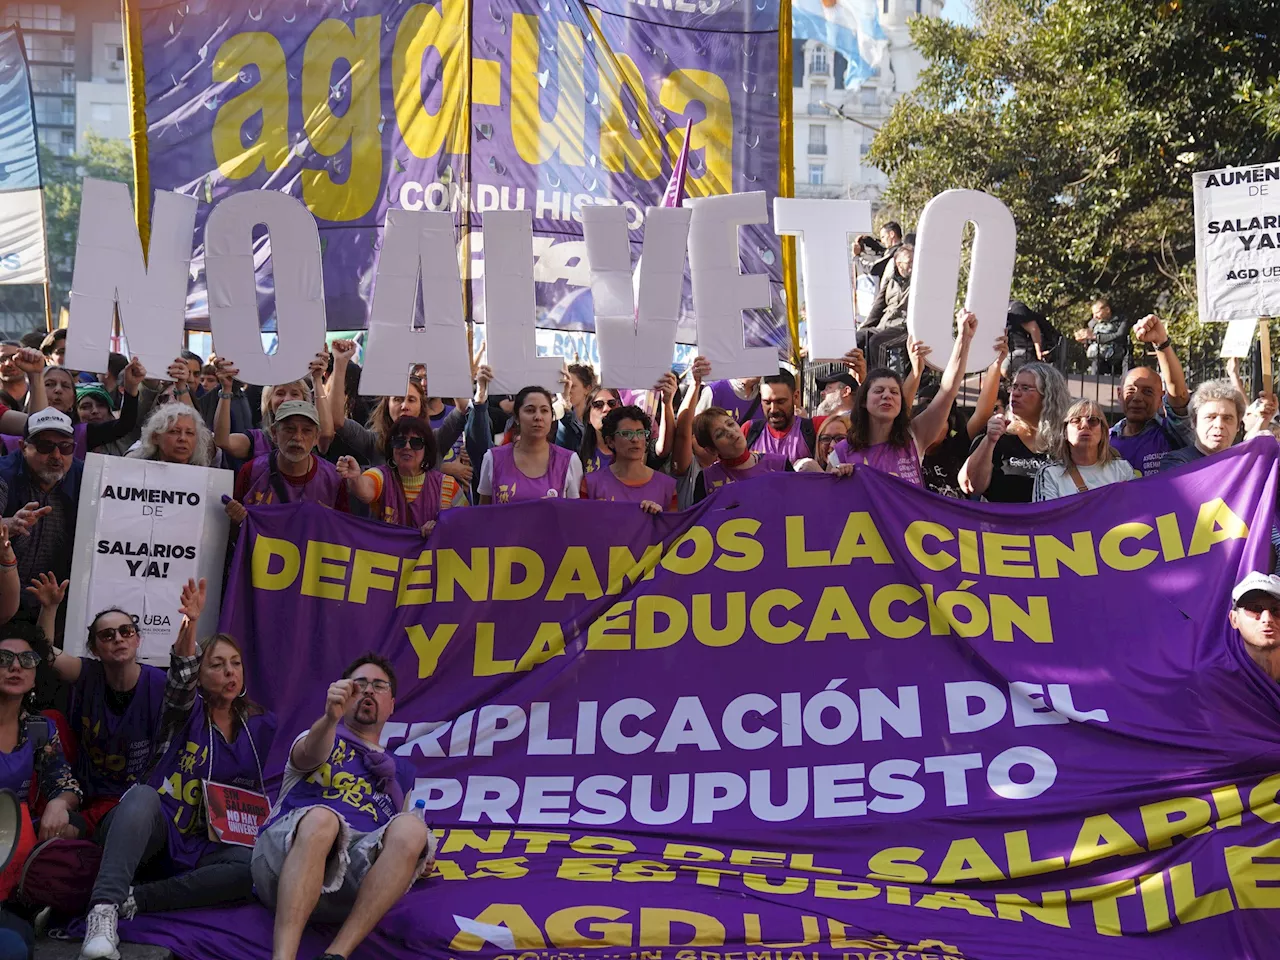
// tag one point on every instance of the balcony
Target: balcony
(817, 149)
(818, 110)
(819, 191)
(819, 67)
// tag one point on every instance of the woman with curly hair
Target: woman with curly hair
(175, 433)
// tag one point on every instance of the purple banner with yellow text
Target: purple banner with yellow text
(358, 107)
(811, 719)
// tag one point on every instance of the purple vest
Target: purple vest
(322, 488)
(900, 462)
(447, 456)
(80, 437)
(396, 509)
(344, 784)
(512, 486)
(724, 396)
(599, 460)
(17, 769)
(177, 775)
(261, 443)
(792, 444)
(115, 749)
(1144, 450)
(603, 485)
(717, 475)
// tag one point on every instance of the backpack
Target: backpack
(60, 874)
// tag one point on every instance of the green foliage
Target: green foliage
(1087, 118)
(103, 159)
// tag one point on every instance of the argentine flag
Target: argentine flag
(849, 26)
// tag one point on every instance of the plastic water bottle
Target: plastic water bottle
(420, 808)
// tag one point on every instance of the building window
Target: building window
(864, 148)
(818, 134)
(818, 62)
(40, 16)
(870, 96)
(886, 6)
(101, 113)
(817, 174)
(817, 92)
(919, 6)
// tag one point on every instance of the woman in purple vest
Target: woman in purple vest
(115, 702)
(211, 732)
(259, 442)
(716, 429)
(406, 490)
(628, 478)
(885, 436)
(601, 402)
(530, 467)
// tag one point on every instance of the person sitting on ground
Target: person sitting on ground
(1003, 463)
(406, 490)
(1255, 615)
(628, 478)
(210, 732)
(530, 467)
(1217, 410)
(115, 703)
(884, 435)
(1155, 423)
(174, 433)
(715, 430)
(342, 856)
(291, 473)
(1083, 460)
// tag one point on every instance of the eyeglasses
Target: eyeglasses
(641, 434)
(830, 439)
(1079, 422)
(608, 404)
(1024, 388)
(413, 443)
(46, 447)
(27, 659)
(107, 634)
(364, 683)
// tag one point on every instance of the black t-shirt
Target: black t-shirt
(940, 468)
(118, 700)
(1013, 470)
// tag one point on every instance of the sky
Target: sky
(958, 10)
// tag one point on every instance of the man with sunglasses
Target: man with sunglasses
(1255, 615)
(43, 475)
(342, 794)
(627, 477)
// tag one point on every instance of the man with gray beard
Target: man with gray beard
(42, 479)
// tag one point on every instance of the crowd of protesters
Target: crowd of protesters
(100, 765)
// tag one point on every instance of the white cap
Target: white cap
(1267, 583)
(49, 419)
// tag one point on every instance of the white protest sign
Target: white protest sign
(935, 273)
(417, 255)
(825, 228)
(143, 529)
(636, 341)
(1238, 242)
(110, 271)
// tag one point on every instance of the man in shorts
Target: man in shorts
(337, 848)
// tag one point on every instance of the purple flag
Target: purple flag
(841, 717)
(674, 194)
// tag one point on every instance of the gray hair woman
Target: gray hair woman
(1083, 458)
(175, 433)
(1004, 462)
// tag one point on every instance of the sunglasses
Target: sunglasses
(1079, 422)
(605, 404)
(46, 447)
(641, 434)
(413, 443)
(107, 634)
(27, 659)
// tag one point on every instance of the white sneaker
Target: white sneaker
(100, 936)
